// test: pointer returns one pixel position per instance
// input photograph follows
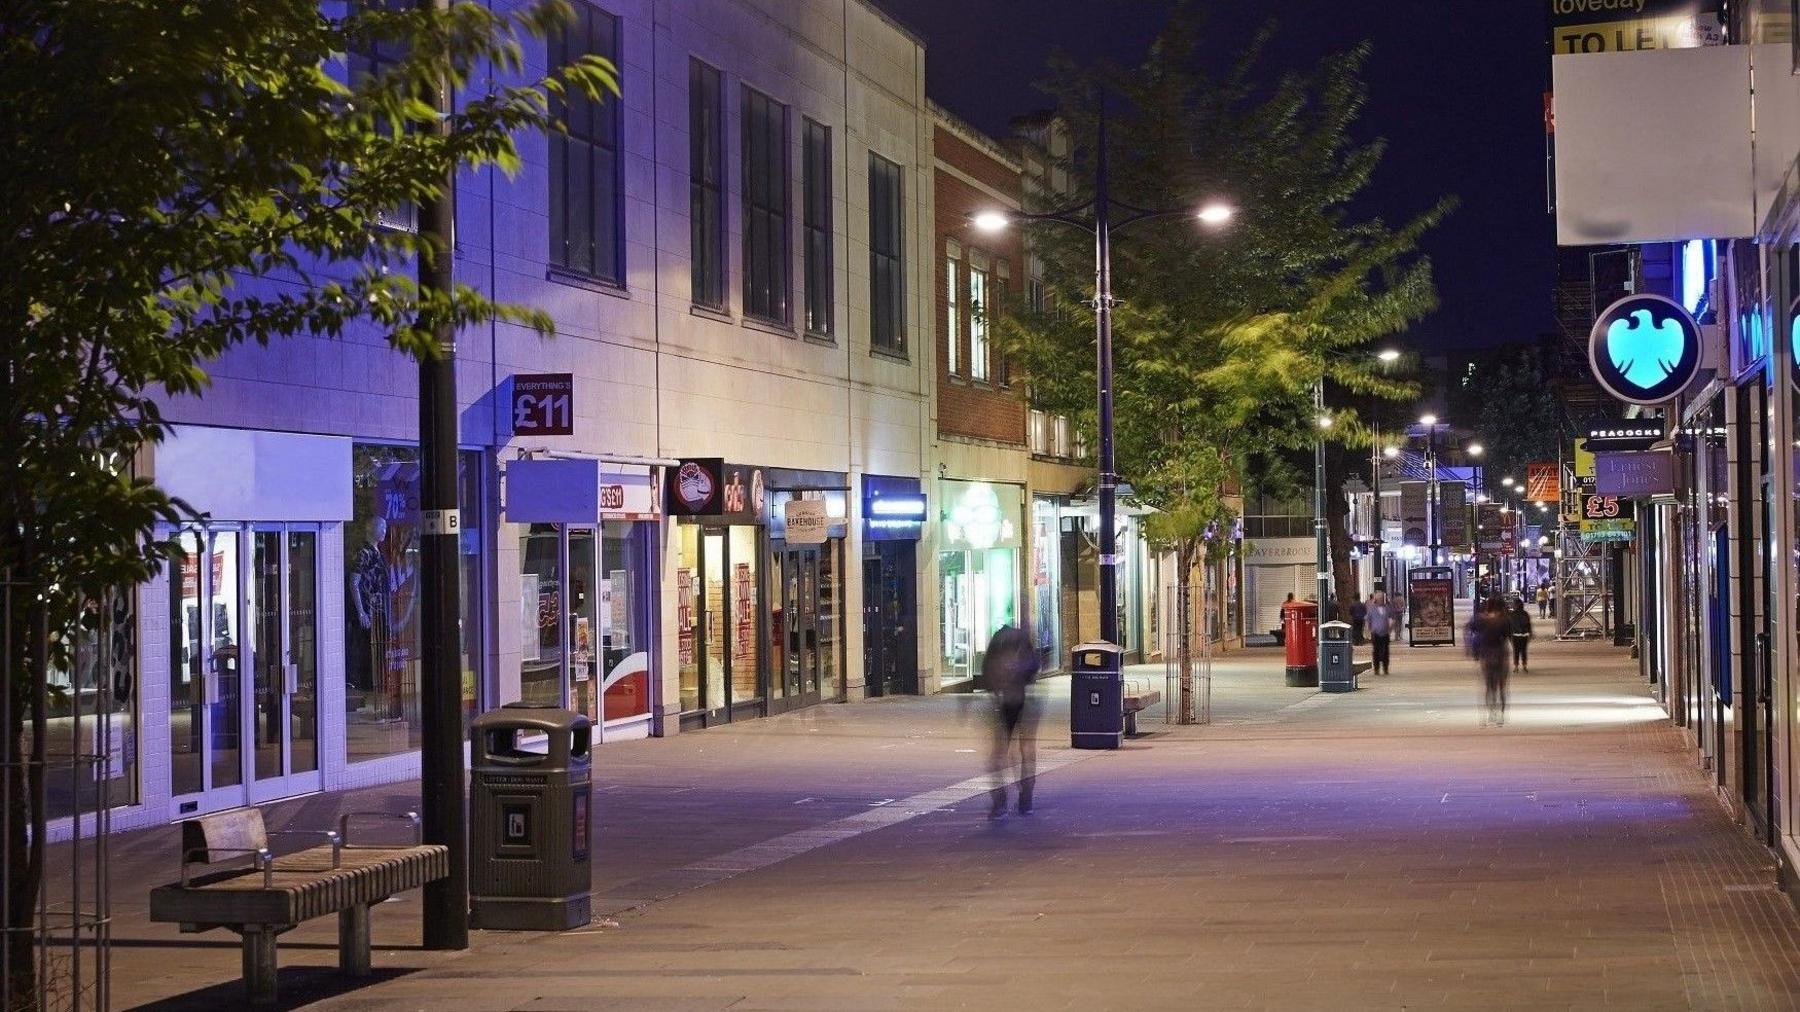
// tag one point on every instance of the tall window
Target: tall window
(815, 185)
(706, 182)
(585, 235)
(953, 308)
(766, 282)
(371, 59)
(998, 286)
(887, 277)
(978, 321)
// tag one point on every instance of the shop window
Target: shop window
(91, 749)
(687, 616)
(540, 616)
(382, 598)
(628, 586)
(740, 630)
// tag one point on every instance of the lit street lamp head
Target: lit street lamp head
(1427, 420)
(1324, 421)
(1390, 451)
(1388, 354)
(1215, 214)
(991, 221)
(1476, 449)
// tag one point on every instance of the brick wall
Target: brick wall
(966, 181)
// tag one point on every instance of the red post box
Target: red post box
(1300, 634)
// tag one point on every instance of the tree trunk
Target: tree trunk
(1184, 623)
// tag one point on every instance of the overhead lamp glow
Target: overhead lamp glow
(991, 221)
(1215, 214)
(1388, 354)
(1508, 482)
(1390, 451)
(1427, 419)
(1324, 421)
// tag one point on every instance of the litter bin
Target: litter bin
(1096, 696)
(1337, 665)
(529, 841)
(1300, 635)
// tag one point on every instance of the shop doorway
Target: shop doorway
(890, 641)
(799, 626)
(717, 620)
(244, 671)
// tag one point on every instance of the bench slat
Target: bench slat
(305, 886)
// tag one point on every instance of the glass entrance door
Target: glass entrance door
(800, 610)
(243, 601)
(281, 600)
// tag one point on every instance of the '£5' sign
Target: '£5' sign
(1601, 507)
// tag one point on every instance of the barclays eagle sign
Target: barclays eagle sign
(1645, 349)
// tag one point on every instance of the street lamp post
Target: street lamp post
(1387, 357)
(1321, 539)
(1432, 507)
(1100, 209)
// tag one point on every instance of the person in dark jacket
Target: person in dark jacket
(1009, 668)
(1486, 633)
(1359, 614)
(1519, 625)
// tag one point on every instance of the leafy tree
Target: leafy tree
(1514, 410)
(183, 178)
(1219, 338)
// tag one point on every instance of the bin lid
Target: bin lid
(1097, 645)
(1335, 624)
(530, 717)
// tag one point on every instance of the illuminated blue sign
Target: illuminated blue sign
(1794, 344)
(894, 509)
(1645, 349)
(1697, 269)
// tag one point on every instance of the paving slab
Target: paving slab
(1377, 850)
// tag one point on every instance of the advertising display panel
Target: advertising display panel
(1431, 606)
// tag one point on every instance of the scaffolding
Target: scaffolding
(1583, 595)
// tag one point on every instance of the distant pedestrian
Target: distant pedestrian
(1009, 668)
(1381, 629)
(1359, 614)
(1543, 599)
(1518, 623)
(1487, 634)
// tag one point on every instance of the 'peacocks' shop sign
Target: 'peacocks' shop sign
(1645, 349)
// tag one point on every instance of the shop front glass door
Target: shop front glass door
(281, 600)
(584, 597)
(800, 608)
(243, 601)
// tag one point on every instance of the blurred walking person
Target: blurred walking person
(1518, 623)
(1487, 633)
(1543, 599)
(1359, 615)
(1380, 617)
(1009, 668)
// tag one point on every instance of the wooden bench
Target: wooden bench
(273, 893)
(1138, 696)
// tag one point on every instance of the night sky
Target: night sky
(1455, 88)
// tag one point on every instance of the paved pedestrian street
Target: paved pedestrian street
(1379, 850)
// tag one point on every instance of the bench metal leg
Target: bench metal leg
(259, 964)
(353, 941)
